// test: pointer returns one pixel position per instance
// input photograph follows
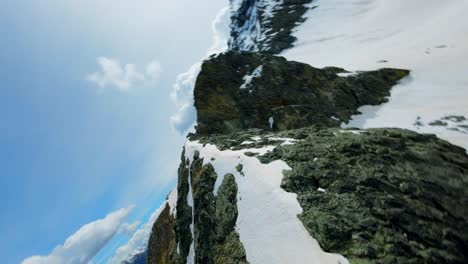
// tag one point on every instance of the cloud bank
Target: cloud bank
(113, 74)
(85, 243)
(182, 94)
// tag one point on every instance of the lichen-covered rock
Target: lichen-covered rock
(212, 219)
(183, 235)
(381, 195)
(242, 90)
(228, 248)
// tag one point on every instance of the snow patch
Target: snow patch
(356, 132)
(249, 77)
(271, 122)
(251, 31)
(191, 254)
(347, 74)
(287, 141)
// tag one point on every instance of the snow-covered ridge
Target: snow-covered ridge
(428, 37)
(251, 33)
(267, 223)
(252, 28)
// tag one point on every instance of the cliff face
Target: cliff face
(270, 177)
(242, 90)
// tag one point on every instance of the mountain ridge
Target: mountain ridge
(258, 184)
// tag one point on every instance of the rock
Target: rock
(253, 29)
(393, 196)
(161, 245)
(294, 94)
(214, 218)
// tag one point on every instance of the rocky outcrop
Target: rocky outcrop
(161, 245)
(265, 26)
(374, 196)
(242, 90)
(205, 223)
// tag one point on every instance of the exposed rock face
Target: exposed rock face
(241, 90)
(212, 219)
(265, 25)
(161, 243)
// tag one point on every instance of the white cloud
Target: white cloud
(153, 70)
(85, 243)
(182, 94)
(127, 228)
(122, 77)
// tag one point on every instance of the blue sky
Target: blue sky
(72, 152)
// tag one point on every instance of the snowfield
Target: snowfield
(428, 37)
(267, 223)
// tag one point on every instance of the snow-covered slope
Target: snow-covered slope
(428, 37)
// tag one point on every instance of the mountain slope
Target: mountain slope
(271, 177)
(428, 37)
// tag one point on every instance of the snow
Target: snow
(267, 223)
(249, 77)
(287, 141)
(356, 132)
(271, 122)
(251, 32)
(428, 37)
(347, 74)
(191, 254)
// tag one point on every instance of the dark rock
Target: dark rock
(294, 94)
(161, 244)
(455, 118)
(183, 234)
(214, 218)
(392, 196)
